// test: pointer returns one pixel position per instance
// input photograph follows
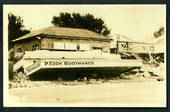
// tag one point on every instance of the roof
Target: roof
(63, 31)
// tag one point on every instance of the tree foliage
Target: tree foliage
(159, 32)
(15, 28)
(75, 20)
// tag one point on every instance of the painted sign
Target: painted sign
(58, 63)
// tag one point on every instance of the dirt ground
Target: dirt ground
(116, 93)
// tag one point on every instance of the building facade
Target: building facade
(123, 44)
(135, 47)
(62, 39)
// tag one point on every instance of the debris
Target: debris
(85, 79)
(92, 80)
(146, 74)
(60, 79)
(65, 84)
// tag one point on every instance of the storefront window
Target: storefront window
(35, 47)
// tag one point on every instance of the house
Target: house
(61, 39)
(123, 44)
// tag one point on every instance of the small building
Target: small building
(124, 44)
(135, 47)
(61, 39)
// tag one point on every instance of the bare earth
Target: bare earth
(148, 93)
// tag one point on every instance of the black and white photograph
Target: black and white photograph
(77, 55)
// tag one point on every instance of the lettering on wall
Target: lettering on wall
(58, 63)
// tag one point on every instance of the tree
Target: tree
(75, 20)
(15, 28)
(159, 32)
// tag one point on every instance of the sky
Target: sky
(137, 22)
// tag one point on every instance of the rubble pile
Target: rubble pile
(20, 77)
(19, 80)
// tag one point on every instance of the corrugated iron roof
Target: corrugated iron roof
(63, 31)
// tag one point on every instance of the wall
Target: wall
(135, 47)
(47, 43)
(26, 45)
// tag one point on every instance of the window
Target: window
(19, 50)
(35, 47)
(127, 44)
(78, 47)
(58, 45)
(70, 46)
(124, 45)
(85, 47)
(97, 48)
